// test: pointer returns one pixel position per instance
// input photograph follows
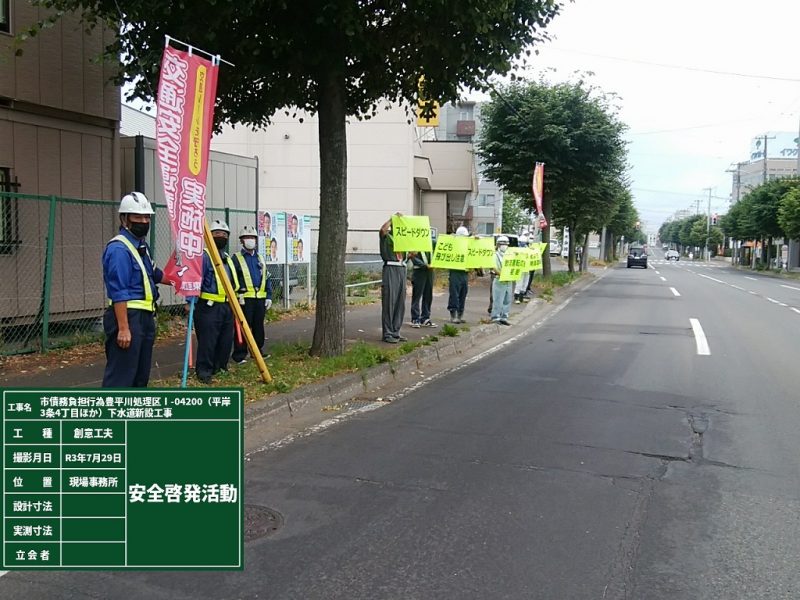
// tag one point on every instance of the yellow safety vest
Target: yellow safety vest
(147, 303)
(220, 295)
(251, 292)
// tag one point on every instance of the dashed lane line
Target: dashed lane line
(700, 338)
(674, 291)
(789, 287)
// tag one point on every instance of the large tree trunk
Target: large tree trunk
(573, 235)
(585, 254)
(329, 325)
(547, 207)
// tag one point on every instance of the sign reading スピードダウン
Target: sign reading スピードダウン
(136, 479)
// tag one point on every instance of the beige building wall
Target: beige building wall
(388, 170)
(58, 135)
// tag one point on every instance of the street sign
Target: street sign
(122, 479)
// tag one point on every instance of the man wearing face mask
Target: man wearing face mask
(255, 291)
(501, 290)
(213, 318)
(130, 279)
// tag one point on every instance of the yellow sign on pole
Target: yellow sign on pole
(427, 110)
(480, 253)
(450, 253)
(412, 233)
(515, 262)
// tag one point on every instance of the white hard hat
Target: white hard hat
(502, 240)
(247, 231)
(462, 231)
(220, 225)
(523, 239)
(135, 203)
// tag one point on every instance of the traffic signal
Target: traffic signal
(714, 219)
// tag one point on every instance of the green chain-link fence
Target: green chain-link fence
(51, 279)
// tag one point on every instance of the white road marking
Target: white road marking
(750, 278)
(752, 292)
(700, 338)
(736, 287)
(711, 278)
(773, 300)
(674, 291)
(788, 287)
(797, 310)
(663, 279)
(658, 273)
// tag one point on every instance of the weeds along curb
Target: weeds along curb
(341, 389)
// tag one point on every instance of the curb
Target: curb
(345, 388)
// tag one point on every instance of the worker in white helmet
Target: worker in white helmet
(521, 285)
(255, 291)
(501, 290)
(459, 287)
(130, 279)
(213, 318)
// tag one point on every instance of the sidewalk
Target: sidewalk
(363, 323)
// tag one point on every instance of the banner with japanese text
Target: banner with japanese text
(515, 262)
(298, 238)
(534, 257)
(450, 253)
(412, 233)
(538, 193)
(187, 90)
(480, 253)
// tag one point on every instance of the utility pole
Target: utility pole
(706, 251)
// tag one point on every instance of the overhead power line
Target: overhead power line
(680, 67)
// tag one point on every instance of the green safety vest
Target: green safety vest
(147, 303)
(220, 295)
(250, 291)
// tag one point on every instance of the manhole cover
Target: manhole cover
(260, 521)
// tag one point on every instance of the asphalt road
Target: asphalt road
(641, 443)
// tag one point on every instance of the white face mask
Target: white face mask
(249, 244)
(502, 248)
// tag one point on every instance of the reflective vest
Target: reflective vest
(147, 303)
(250, 291)
(220, 295)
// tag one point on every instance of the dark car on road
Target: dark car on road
(637, 257)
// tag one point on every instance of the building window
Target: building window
(5, 16)
(8, 212)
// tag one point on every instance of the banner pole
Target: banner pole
(191, 300)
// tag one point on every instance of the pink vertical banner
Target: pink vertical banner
(538, 192)
(187, 90)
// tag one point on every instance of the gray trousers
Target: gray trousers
(393, 300)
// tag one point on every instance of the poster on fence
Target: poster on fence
(264, 229)
(275, 238)
(450, 253)
(187, 89)
(411, 233)
(298, 238)
(480, 253)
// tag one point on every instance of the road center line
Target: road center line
(736, 287)
(750, 278)
(700, 338)
(663, 278)
(797, 310)
(789, 287)
(773, 300)
(711, 278)
(658, 273)
(674, 291)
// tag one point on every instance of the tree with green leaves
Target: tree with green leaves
(515, 215)
(789, 213)
(622, 224)
(332, 58)
(572, 128)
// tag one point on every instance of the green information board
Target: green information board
(122, 479)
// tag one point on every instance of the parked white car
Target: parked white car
(555, 248)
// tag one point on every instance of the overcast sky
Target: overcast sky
(686, 127)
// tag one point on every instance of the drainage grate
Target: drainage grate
(260, 521)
